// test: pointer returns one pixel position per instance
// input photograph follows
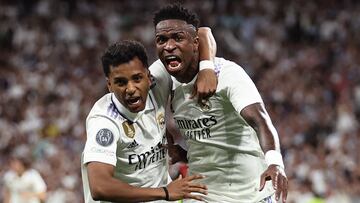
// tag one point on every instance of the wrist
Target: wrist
(273, 157)
(166, 191)
(206, 64)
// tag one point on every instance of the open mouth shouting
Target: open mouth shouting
(173, 63)
(135, 103)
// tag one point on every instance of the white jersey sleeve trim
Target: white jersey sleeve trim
(101, 143)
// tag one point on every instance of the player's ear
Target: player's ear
(108, 83)
(150, 77)
(197, 42)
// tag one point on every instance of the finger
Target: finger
(197, 185)
(285, 191)
(201, 96)
(279, 188)
(274, 180)
(197, 190)
(202, 101)
(180, 177)
(195, 177)
(262, 181)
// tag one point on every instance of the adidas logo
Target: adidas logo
(132, 145)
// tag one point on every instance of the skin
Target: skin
(177, 38)
(130, 81)
(127, 81)
(257, 116)
(173, 41)
(207, 48)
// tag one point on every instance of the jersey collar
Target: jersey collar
(176, 83)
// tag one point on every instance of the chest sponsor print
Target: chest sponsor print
(196, 129)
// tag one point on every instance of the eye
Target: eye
(120, 82)
(160, 39)
(178, 38)
(137, 78)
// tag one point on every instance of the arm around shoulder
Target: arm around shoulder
(104, 186)
(206, 83)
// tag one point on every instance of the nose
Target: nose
(130, 89)
(170, 45)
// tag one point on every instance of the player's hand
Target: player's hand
(279, 181)
(181, 188)
(205, 86)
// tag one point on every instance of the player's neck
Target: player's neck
(191, 72)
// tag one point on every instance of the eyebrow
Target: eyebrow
(119, 79)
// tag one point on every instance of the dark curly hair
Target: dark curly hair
(123, 52)
(176, 11)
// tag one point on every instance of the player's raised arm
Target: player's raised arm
(206, 82)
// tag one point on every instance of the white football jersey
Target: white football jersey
(30, 181)
(132, 142)
(221, 144)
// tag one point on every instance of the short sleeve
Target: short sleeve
(38, 182)
(102, 138)
(241, 90)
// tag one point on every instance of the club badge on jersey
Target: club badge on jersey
(128, 129)
(161, 120)
(205, 105)
(104, 137)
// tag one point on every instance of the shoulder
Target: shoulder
(104, 107)
(157, 68)
(229, 72)
(32, 173)
(225, 66)
(162, 82)
(9, 175)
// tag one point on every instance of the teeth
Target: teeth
(134, 101)
(170, 57)
(172, 66)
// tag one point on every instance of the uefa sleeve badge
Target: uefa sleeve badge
(104, 137)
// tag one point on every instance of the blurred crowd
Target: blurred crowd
(304, 57)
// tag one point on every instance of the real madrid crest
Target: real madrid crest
(205, 105)
(128, 129)
(160, 118)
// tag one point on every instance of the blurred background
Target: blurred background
(304, 57)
